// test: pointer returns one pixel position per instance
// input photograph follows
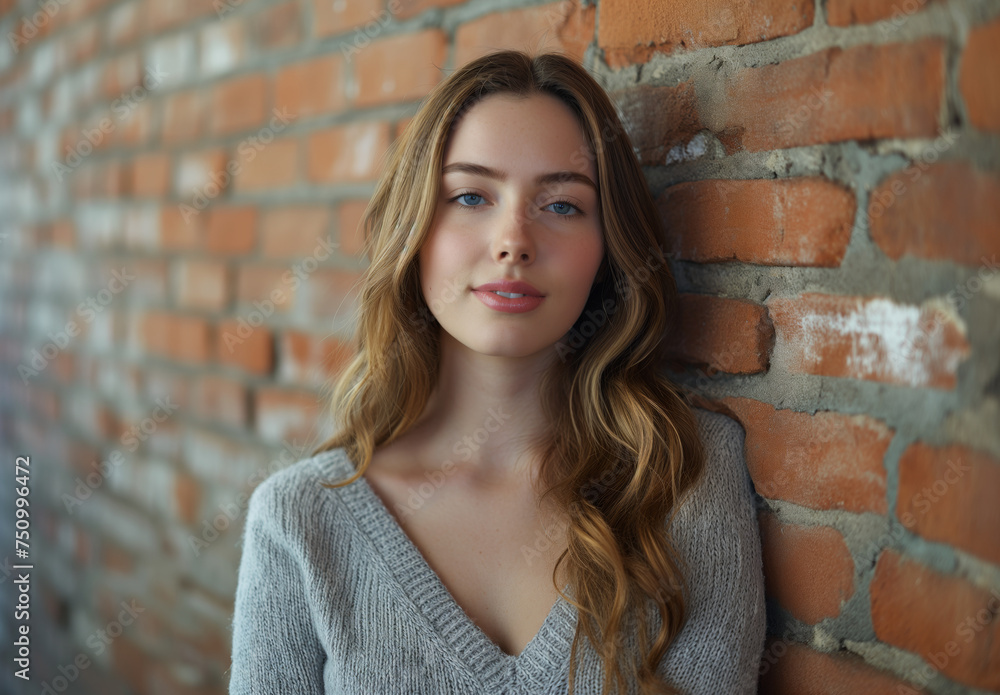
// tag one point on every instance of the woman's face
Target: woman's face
(518, 203)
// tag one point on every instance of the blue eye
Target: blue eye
(469, 195)
(564, 209)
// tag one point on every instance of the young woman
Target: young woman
(517, 500)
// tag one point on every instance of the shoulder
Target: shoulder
(295, 494)
(725, 472)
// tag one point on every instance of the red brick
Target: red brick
(266, 166)
(842, 13)
(190, 339)
(293, 231)
(805, 221)
(137, 128)
(187, 497)
(351, 234)
(267, 284)
(347, 153)
(286, 416)
(238, 104)
(563, 27)
(278, 26)
(383, 78)
(202, 284)
(220, 399)
(978, 77)
(160, 15)
(807, 569)
(937, 211)
(823, 461)
(311, 360)
(333, 293)
(631, 31)
(949, 622)
(411, 8)
(870, 338)
(661, 122)
(246, 346)
(859, 93)
(231, 230)
(120, 75)
(335, 18)
(123, 24)
(151, 175)
(311, 88)
(948, 494)
(179, 228)
(184, 116)
(801, 671)
(731, 335)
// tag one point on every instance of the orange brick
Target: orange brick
(977, 79)
(180, 228)
(278, 26)
(842, 13)
(351, 235)
(201, 175)
(266, 165)
(310, 360)
(262, 284)
(383, 78)
(823, 461)
(247, 345)
(807, 569)
(190, 339)
(795, 669)
(948, 494)
(564, 27)
(293, 231)
(859, 93)
(160, 16)
(631, 31)
(123, 24)
(731, 335)
(239, 104)
(805, 221)
(286, 416)
(347, 153)
(312, 87)
(661, 122)
(949, 622)
(187, 498)
(937, 211)
(411, 8)
(869, 338)
(184, 116)
(151, 175)
(231, 230)
(333, 293)
(202, 284)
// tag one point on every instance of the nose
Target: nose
(513, 242)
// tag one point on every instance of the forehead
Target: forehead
(533, 133)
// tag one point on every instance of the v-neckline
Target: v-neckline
(545, 653)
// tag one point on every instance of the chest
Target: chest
(494, 550)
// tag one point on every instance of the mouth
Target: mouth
(509, 289)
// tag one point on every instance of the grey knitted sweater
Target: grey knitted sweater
(333, 597)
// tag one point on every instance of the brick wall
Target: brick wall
(182, 183)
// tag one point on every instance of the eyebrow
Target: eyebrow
(497, 175)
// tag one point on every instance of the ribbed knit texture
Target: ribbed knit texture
(333, 597)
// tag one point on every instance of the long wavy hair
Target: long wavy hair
(622, 447)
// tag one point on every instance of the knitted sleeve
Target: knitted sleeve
(715, 531)
(275, 647)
